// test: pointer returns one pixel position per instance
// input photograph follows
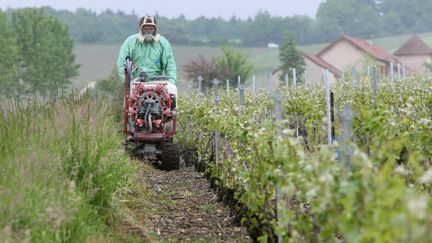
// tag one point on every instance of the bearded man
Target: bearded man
(149, 51)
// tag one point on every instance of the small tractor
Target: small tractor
(150, 118)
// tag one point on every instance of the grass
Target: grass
(96, 62)
(62, 170)
(391, 44)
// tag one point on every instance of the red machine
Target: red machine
(150, 119)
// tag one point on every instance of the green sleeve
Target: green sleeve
(168, 62)
(121, 61)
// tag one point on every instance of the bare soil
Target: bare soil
(179, 206)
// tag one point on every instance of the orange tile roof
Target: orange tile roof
(320, 62)
(414, 46)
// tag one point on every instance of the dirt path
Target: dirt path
(184, 208)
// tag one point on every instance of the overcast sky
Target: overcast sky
(173, 8)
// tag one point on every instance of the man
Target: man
(149, 51)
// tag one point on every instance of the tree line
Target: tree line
(359, 18)
(36, 54)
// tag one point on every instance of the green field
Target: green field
(98, 61)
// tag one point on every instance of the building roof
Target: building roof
(320, 62)
(371, 49)
(414, 46)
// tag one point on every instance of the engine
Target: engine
(151, 108)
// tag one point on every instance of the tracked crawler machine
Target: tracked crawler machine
(150, 118)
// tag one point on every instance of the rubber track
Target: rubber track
(170, 157)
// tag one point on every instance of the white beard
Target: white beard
(148, 38)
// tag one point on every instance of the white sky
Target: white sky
(173, 8)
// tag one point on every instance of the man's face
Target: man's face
(148, 29)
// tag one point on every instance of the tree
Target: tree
(401, 16)
(8, 58)
(290, 57)
(236, 63)
(353, 17)
(229, 65)
(259, 30)
(47, 62)
(208, 70)
(423, 19)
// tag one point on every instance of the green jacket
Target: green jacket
(154, 59)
